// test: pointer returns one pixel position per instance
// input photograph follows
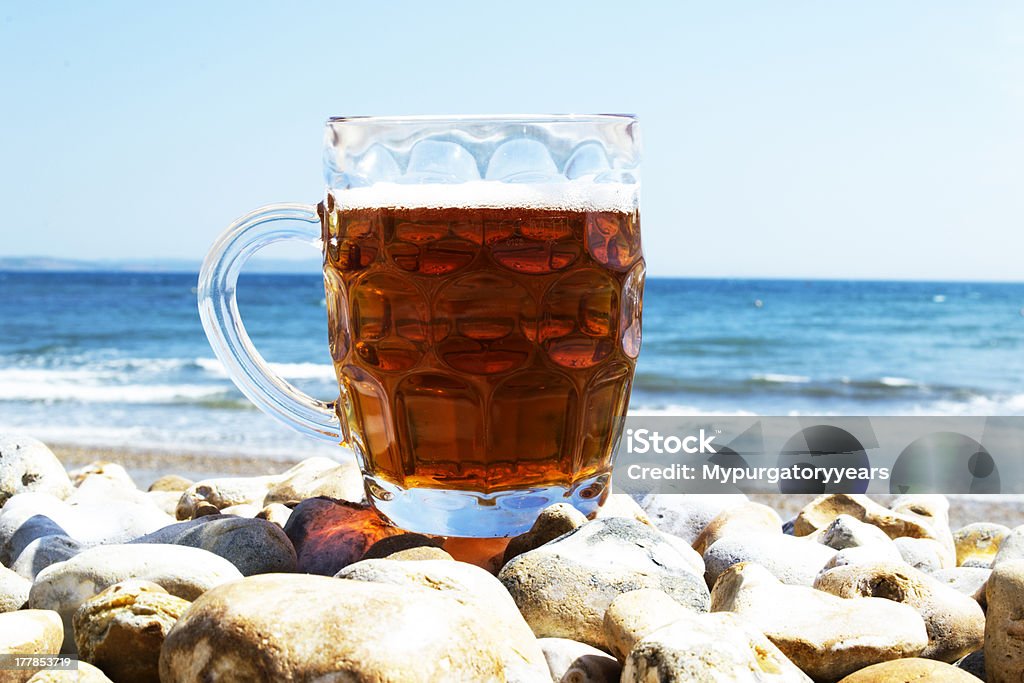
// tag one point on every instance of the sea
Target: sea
(119, 359)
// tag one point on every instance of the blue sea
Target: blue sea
(120, 359)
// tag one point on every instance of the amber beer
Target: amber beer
(480, 346)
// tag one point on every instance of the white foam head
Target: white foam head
(488, 194)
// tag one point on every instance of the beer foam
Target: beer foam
(489, 194)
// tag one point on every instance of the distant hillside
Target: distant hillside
(46, 263)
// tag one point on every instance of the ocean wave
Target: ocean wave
(778, 378)
(323, 371)
(57, 391)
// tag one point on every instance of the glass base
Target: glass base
(442, 512)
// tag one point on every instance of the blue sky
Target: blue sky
(869, 139)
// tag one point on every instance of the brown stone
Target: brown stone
(911, 670)
(329, 534)
(552, 522)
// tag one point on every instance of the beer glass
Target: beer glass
(483, 279)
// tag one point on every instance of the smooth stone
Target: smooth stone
(13, 590)
(978, 544)
(106, 470)
(691, 556)
(823, 510)
(95, 489)
(969, 581)
(925, 554)
(254, 546)
(44, 551)
(564, 587)
(319, 477)
(552, 522)
(955, 622)
(746, 518)
(849, 532)
(29, 632)
(686, 515)
(250, 631)
(635, 614)
(865, 554)
(933, 510)
(165, 501)
(974, 664)
(29, 516)
(121, 629)
(620, 505)
(910, 670)
(793, 560)
(1012, 547)
(222, 492)
(83, 673)
(570, 661)
(520, 653)
(26, 464)
(328, 535)
(486, 553)
(391, 545)
(183, 571)
(278, 513)
(1004, 627)
(246, 510)
(171, 483)
(827, 637)
(709, 648)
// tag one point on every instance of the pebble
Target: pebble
(745, 518)
(969, 581)
(105, 470)
(933, 510)
(247, 510)
(978, 544)
(328, 535)
(222, 492)
(407, 547)
(955, 622)
(552, 522)
(29, 516)
(171, 483)
(1004, 628)
(121, 629)
(44, 551)
(28, 632)
(84, 673)
(520, 653)
(250, 630)
(26, 464)
(254, 546)
(182, 571)
(974, 664)
(13, 590)
(315, 477)
(865, 554)
(827, 637)
(635, 614)
(1011, 548)
(849, 532)
(278, 513)
(925, 554)
(621, 505)
(686, 515)
(792, 560)
(823, 510)
(709, 648)
(912, 670)
(570, 661)
(563, 588)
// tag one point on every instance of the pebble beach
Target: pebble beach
(150, 566)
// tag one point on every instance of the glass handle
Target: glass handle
(218, 309)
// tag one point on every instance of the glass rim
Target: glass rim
(481, 118)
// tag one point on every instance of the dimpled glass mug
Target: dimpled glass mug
(483, 279)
